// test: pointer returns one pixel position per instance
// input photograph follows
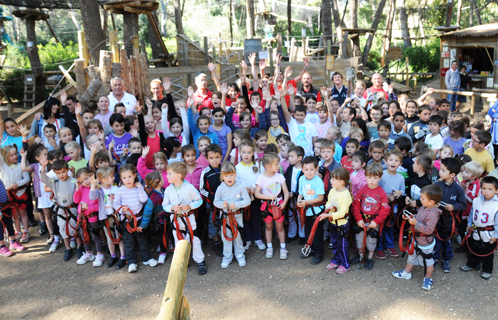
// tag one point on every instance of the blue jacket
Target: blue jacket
(261, 125)
(196, 133)
(283, 123)
(453, 194)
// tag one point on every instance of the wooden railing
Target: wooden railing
(491, 95)
(174, 305)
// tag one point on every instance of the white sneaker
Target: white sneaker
(225, 264)
(241, 260)
(54, 247)
(73, 243)
(283, 254)
(401, 274)
(132, 268)
(269, 253)
(85, 258)
(248, 244)
(99, 260)
(152, 262)
(261, 245)
(459, 239)
(162, 258)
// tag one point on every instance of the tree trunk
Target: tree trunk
(34, 58)
(353, 16)
(73, 17)
(14, 25)
(154, 44)
(95, 36)
(449, 13)
(326, 21)
(130, 29)
(178, 17)
(163, 16)
(231, 23)
(387, 39)
(337, 20)
(471, 15)
(420, 23)
(375, 25)
(459, 12)
(289, 17)
(250, 18)
(403, 18)
(105, 16)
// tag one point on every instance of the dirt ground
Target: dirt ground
(36, 284)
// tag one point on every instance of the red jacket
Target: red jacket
(372, 202)
(471, 193)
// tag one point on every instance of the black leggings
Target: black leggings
(6, 222)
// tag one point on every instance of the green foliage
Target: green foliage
(424, 58)
(53, 54)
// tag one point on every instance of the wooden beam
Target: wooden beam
(113, 45)
(68, 76)
(84, 54)
(124, 71)
(159, 37)
(79, 70)
(105, 67)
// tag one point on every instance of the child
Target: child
(160, 163)
(376, 151)
(16, 180)
(177, 127)
(327, 154)
(420, 129)
(104, 113)
(478, 152)
(344, 117)
(89, 209)
(446, 151)
(433, 172)
(454, 198)
(50, 139)
(384, 128)
(120, 137)
(444, 127)
(339, 202)
(210, 181)
(172, 147)
(393, 109)
(397, 131)
(356, 133)
(375, 114)
(6, 224)
(324, 123)
(203, 143)
(134, 147)
(193, 170)
(201, 127)
(318, 145)
(222, 131)
(424, 224)
(311, 114)
(357, 177)
(271, 186)
(455, 139)
(370, 209)
(434, 140)
(284, 154)
(411, 114)
(63, 188)
(333, 135)
(238, 137)
(311, 194)
(275, 128)
(292, 176)
(302, 133)
(231, 198)
(351, 147)
(484, 234)
(393, 184)
(414, 184)
(403, 144)
(77, 162)
(261, 143)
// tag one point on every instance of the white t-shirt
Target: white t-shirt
(128, 100)
(312, 117)
(302, 135)
(435, 142)
(109, 199)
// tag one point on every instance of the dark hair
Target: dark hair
(453, 165)
(490, 180)
(432, 192)
(384, 123)
(403, 144)
(309, 160)
(337, 73)
(134, 140)
(311, 97)
(50, 126)
(301, 108)
(116, 117)
(128, 167)
(187, 148)
(463, 158)
(412, 101)
(444, 115)
(203, 118)
(377, 144)
(353, 141)
(119, 105)
(60, 164)
(424, 161)
(352, 111)
(128, 122)
(256, 94)
(484, 137)
(271, 148)
(214, 148)
(396, 103)
(57, 153)
(204, 108)
(423, 107)
(235, 87)
(477, 125)
(284, 136)
(9, 120)
(169, 144)
(398, 114)
(34, 151)
(298, 150)
(47, 108)
(440, 102)
(375, 107)
(100, 157)
(363, 126)
(218, 109)
(436, 119)
(420, 145)
(457, 126)
(363, 156)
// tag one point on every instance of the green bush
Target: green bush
(424, 58)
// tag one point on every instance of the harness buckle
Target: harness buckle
(306, 250)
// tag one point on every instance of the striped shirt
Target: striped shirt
(134, 198)
(426, 223)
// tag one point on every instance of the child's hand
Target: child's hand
(324, 216)
(262, 64)
(224, 88)
(94, 181)
(23, 153)
(288, 72)
(323, 91)
(232, 206)
(139, 229)
(190, 91)
(145, 151)
(259, 109)
(138, 107)
(134, 132)
(252, 58)
(84, 206)
(373, 225)
(167, 84)
(430, 91)
(63, 97)
(412, 221)
(276, 95)
(52, 142)
(138, 185)
(361, 224)
(23, 130)
(225, 204)
(243, 65)
(124, 151)
(13, 186)
(301, 203)
(291, 91)
(148, 103)
(164, 106)
(72, 170)
(253, 190)
(175, 208)
(449, 207)
(211, 67)
(43, 162)
(186, 207)
(77, 108)
(93, 148)
(397, 193)
(348, 100)
(492, 240)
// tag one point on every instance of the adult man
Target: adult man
(307, 89)
(339, 92)
(202, 96)
(68, 108)
(118, 95)
(157, 89)
(375, 88)
(452, 81)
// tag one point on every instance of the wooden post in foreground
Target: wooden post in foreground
(174, 304)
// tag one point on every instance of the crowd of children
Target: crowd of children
(319, 166)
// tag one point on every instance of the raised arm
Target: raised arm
(278, 59)
(255, 79)
(325, 98)
(300, 75)
(79, 119)
(212, 68)
(285, 110)
(224, 90)
(421, 100)
(291, 91)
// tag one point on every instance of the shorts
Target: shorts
(270, 219)
(23, 198)
(62, 228)
(418, 260)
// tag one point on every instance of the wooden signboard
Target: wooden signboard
(330, 62)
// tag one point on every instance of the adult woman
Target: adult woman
(51, 114)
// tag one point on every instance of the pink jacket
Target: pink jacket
(83, 195)
(358, 181)
(144, 171)
(195, 177)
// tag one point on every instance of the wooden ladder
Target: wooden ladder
(29, 91)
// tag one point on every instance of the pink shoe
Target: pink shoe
(342, 270)
(331, 266)
(17, 246)
(4, 252)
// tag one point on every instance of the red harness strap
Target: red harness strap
(179, 233)
(165, 235)
(470, 232)
(410, 244)
(82, 223)
(307, 247)
(129, 216)
(232, 223)
(116, 222)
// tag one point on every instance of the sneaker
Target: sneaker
(99, 260)
(269, 253)
(342, 270)
(80, 252)
(401, 274)
(302, 241)
(50, 240)
(393, 253)
(261, 245)
(248, 245)
(427, 284)
(317, 259)
(43, 229)
(132, 268)
(225, 264)
(331, 266)
(25, 237)
(283, 254)
(380, 255)
(466, 268)
(459, 239)
(369, 264)
(112, 262)
(121, 263)
(73, 243)
(330, 245)
(241, 260)
(446, 266)
(85, 258)
(162, 258)
(151, 262)
(68, 254)
(16, 246)
(202, 268)
(54, 246)
(486, 275)
(18, 236)
(355, 260)
(218, 249)
(5, 252)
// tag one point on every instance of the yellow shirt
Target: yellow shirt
(483, 157)
(78, 164)
(341, 201)
(273, 133)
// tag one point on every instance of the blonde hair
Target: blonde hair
(63, 129)
(361, 83)
(6, 152)
(156, 81)
(327, 144)
(227, 168)
(396, 153)
(374, 170)
(104, 173)
(204, 138)
(82, 171)
(269, 159)
(178, 167)
(72, 145)
(161, 156)
(474, 168)
(356, 130)
(153, 179)
(448, 148)
(335, 131)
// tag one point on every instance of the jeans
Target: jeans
(452, 99)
